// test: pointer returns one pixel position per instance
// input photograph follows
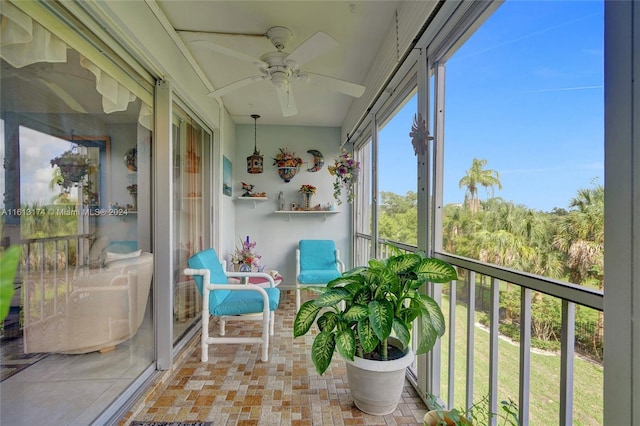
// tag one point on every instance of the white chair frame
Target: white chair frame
(267, 317)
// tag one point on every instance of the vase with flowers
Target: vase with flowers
(307, 192)
(288, 164)
(345, 169)
(245, 259)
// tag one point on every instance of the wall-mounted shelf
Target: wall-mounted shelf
(324, 213)
(254, 199)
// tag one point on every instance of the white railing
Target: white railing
(46, 272)
(470, 270)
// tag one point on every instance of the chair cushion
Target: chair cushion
(315, 276)
(246, 302)
(208, 259)
(317, 255)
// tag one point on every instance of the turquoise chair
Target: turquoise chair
(232, 301)
(317, 263)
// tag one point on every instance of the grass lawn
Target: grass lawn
(545, 376)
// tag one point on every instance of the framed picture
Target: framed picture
(227, 188)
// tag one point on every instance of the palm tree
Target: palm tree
(475, 177)
(581, 236)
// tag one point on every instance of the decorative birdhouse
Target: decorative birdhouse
(255, 161)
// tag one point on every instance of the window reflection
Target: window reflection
(85, 275)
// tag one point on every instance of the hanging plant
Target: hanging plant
(345, 169)
(73, 167)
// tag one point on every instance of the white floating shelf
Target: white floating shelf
(254, 199)
(303, 212)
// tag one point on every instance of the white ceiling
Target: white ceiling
(357, 26)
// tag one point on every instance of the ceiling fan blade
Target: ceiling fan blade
(332, 83)
(236, 85)
(312, 47)
(287, 101)
(229, 52)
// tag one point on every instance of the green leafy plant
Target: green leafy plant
(478, 413)
(367, 305)
(8, 266)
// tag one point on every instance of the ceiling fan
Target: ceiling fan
(282, 68)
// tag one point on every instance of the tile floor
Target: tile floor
(235, 388)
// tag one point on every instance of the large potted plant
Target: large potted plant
(367, 315)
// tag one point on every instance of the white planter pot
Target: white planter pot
(376, 386)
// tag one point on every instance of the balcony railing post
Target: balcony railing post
(433, 361)
(525, 354)
(451, 362)
(471, 314)
(566, 362)
(493, 349)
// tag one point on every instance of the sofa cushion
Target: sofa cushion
(122, 246)
(110, 256)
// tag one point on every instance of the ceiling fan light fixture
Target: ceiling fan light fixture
(280, 79)
(255, 162)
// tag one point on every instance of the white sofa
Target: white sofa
(95, 309)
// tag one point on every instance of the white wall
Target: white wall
(228, 209)
(277, 235)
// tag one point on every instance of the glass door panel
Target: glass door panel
(191, 146)
(76, 199)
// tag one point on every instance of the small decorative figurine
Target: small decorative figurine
(281, 201)
(248, 189)
(249, 192)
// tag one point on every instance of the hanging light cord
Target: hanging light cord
(255, 132)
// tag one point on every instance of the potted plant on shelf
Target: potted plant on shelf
(345, 169)
(360, 311)
(288, 164)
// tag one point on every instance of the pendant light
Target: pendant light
(255, 161)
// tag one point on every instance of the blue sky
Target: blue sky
(525, 92)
